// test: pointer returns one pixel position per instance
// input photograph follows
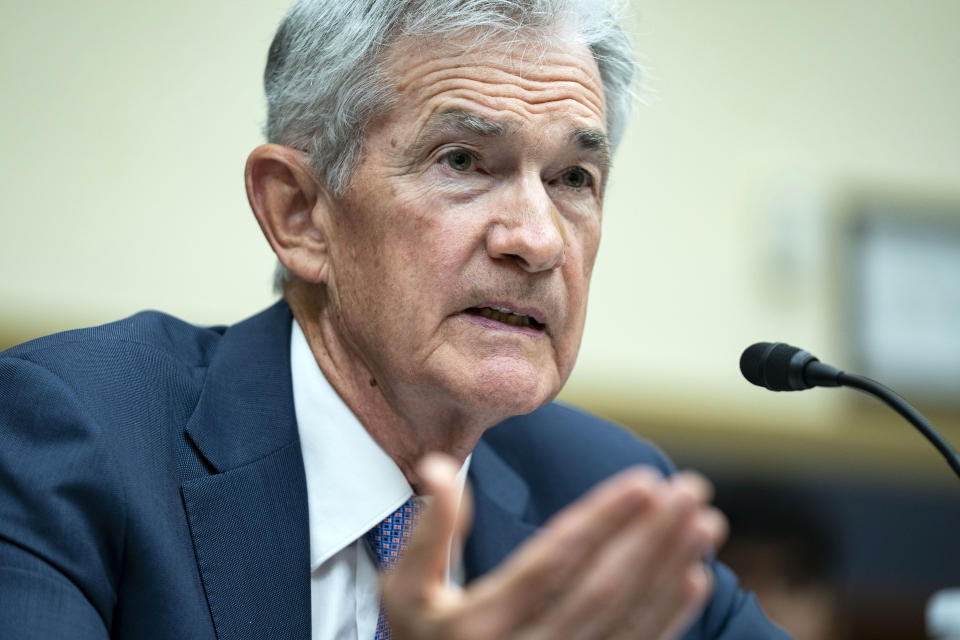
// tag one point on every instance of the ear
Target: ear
(285, 196)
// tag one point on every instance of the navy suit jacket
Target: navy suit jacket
(152, 487)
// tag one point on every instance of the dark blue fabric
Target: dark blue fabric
(529, 467)
(152, 486)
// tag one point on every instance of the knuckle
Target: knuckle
(639, 495)
(708, 530)
(696, 585)
(644, 475)
(644, 480)
(702, 533)
(694, 485)
(720, 526)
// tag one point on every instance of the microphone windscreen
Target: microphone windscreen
(776, 366)
(752, 362)
(780, 371)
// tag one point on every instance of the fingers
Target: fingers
(647, 578)
(677, 583)
(687, 602)
(624, 561)
(533, 580)
(681, 581)
(689, 530)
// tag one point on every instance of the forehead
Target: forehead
(519, 82)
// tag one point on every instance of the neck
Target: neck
(406, 422)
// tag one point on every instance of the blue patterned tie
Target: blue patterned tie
(388, 540)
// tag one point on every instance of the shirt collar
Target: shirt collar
(352, 484)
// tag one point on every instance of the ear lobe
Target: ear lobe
(283, 193)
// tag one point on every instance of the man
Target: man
(432, 188)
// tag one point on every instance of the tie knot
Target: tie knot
(388, 539)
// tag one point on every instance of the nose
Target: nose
(530, 230)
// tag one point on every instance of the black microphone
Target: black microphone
(781, 367)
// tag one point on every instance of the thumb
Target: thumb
(439, 473)
(421, 571)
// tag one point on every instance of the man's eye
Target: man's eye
(459, 160)
(576, 178)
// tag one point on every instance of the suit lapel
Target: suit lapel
(501, 499)
(248, 521)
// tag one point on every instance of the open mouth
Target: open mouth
(506, 316)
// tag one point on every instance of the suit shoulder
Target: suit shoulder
(143, 335)
(563, 437)
(133, 371)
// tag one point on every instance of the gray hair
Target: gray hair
(325, 83)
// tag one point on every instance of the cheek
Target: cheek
(591, 244)
(581, 258)
(435, 241)
(577, 272)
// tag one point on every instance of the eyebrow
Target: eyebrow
(462, 122)
(460, 119)
(595, 141)
(456, 122)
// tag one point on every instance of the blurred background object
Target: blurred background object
(792, 175)
(943, 615)
(785, 546)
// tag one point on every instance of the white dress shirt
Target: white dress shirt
(352, 484)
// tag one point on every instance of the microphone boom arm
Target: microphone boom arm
(783, 367)
(904, 408)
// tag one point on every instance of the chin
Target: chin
(510, 390)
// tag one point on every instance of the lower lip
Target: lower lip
(489, 323)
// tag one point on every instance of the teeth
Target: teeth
(505, 316)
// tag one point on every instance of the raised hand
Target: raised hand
(624, 561)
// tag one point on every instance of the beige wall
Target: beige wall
(125, 128)
(763, 119)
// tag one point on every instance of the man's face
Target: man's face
(460, 256)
